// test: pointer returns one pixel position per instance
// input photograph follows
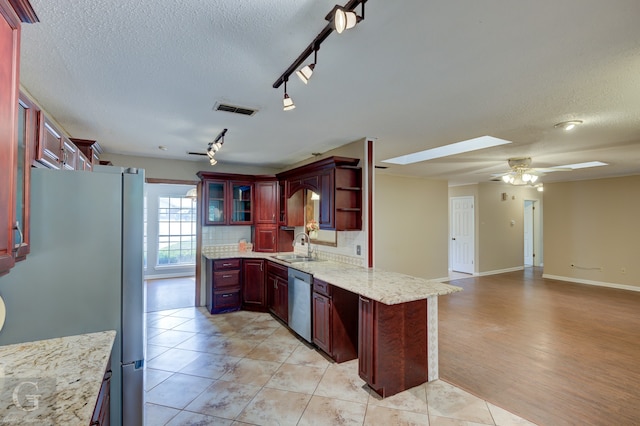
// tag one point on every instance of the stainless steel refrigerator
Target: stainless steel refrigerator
(85, 272)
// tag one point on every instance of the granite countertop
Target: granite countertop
(65, 375)
(386, 287)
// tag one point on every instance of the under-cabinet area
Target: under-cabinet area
(379, 318)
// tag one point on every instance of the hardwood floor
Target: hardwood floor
(170, 293)
(553, 352)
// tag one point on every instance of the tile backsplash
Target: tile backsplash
(224, 239)
(221, 235)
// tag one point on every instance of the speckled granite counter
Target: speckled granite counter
(386, 287)
(54, 381)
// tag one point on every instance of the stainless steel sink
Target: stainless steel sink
(293, 258)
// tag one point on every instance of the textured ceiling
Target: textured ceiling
(414, 75)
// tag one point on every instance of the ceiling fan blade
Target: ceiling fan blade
(554, 169)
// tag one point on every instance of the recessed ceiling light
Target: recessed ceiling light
(581, 165)
(447, 150)
(162, 148)
(568, 125)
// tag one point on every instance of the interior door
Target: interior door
(462, 234)
(529, 211)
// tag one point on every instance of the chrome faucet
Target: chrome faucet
(304, 234)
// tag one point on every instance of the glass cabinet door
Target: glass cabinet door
(27, 134)
(241, 202)
(214, 196)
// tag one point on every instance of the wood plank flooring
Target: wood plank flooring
(553, 352)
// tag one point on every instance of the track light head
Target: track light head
(344, 20)
(305, 73)
(287, 102)
(213, 161)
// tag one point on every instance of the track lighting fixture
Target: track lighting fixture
(340, 19)
(306, 72)
(287, 102)
(215, 146)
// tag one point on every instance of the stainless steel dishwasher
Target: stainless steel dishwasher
(300, 303)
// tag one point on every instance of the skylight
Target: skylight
(581, 165)
(447, 150)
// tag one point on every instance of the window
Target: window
(176, 231)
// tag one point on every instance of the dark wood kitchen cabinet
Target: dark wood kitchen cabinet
(91, 149)
(227, 199)
(223, 285)
(392, 345)
(26, 141)
(102, 411)
(254, 295)
(338, 181)
(278, 290)
(265, 238)
(49, 150)
(266, 193)
(14, 185)
(335, 321)
(69, 154)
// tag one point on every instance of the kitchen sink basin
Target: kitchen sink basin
(293, 258)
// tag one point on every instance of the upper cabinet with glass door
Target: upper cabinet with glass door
(215, 194)
(226, 201)
(14, 189)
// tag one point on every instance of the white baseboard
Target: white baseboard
(591, 282)
(498, 271)
(174, 275)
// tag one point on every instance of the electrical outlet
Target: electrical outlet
(358, 250)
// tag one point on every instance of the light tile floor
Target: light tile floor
(246, 368)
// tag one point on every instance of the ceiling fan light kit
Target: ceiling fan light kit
(340, 18)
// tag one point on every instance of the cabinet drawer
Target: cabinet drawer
(226, 279)
(226, 264)
(322, 287)
(224, 299)
(277, 270)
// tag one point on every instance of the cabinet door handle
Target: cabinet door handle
(261, 266)
(226, 264)
(363, 300)
(226, 295)
(17, 228)
(227, 276)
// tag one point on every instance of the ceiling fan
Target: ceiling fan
(522, 173)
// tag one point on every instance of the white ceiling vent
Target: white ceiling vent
(219, 106)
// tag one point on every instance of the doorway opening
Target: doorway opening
(170, 246)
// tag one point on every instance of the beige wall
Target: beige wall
(411, 225)
(160, 168)
(593, 224)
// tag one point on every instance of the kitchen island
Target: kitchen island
(397, 325)
(54, 381)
